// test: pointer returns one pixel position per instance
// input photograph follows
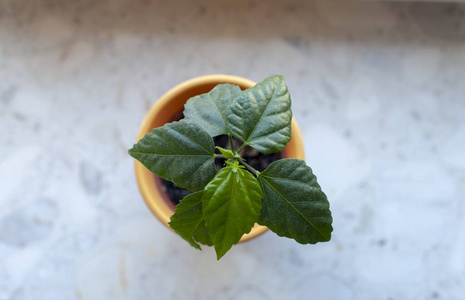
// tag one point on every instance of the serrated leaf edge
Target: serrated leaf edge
(290, 204)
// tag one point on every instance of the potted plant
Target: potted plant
(225, 204)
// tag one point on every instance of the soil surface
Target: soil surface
(254, 158)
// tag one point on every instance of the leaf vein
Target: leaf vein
(290, 204)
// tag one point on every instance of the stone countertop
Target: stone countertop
(377, 90)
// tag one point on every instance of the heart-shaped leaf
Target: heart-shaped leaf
(231, 205)
(209, 110)
(293, 203)
(182, 152)
(187, 220)
(261, 116)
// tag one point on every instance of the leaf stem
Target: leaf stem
(231, 143)
(241, 148)
(219, 156)
(249, 167)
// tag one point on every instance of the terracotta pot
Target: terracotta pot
(164, 111)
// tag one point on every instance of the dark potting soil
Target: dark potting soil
(257, 160)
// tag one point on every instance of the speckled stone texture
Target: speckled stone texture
(378, 91)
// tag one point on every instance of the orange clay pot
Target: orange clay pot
(164, 111)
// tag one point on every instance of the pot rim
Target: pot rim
(145, 178)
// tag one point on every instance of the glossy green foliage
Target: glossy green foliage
(231, 205)
(187, 220)
(209, 110)
(226, 153)
(182, 152)
(294, 205)
(261, 116)
(285, 197)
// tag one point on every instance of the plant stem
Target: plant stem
(219, 155)
(231, 143)
(249, 167)
(241, 148)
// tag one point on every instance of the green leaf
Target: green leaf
(181, 152)
(226, 153)
(201, 235)
(209, 110)
(187, 220)
(231, 206)
(293, 203)
(261, 116)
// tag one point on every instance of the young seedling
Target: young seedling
(226, 204)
